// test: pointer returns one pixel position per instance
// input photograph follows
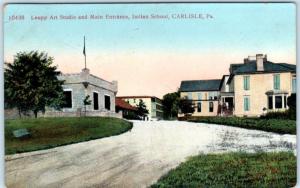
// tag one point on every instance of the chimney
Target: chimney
(260, 62)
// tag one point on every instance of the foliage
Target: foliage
(233, 170)
(288, 114)
(270, 125)
(186, 106)
(52, 132)
(142, 109)
(292, 104)
(170, 105)
(279, 115)
(131, 115)
(30, 83)
(87, 101)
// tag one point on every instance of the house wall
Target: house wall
(204, 103)
(74, 83)
(259, 85)
(152, 107)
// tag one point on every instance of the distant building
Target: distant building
(204, 94)
(153, 105)
(79, 85)
(252, 88)
(125, 108)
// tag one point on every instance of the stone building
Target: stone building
(102, 95)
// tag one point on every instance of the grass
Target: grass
(280, 126)
(233, 170)
(52, 132)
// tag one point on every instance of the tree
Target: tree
(31, 83)
(86, 101)
(291, 102)
(186, 106)
(170, 104)
(142, 109)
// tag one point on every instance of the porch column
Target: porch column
(282, 101)
(273, 100)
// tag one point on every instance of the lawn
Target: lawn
(52, 132)
(281, 126)
(233, 170)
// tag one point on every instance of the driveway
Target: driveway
(136, 158)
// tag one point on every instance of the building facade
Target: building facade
(204, 95)
(77, 87)
(252, 88)
(153, 105)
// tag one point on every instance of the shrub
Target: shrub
(282, 126)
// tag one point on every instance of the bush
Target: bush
(282, 126)
(288, 114)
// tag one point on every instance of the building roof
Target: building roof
(124, 105)
(200, 85)
(251, 68)
(137, 97)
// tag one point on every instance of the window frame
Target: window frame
(68, 90)
(276, 81)
(246, 104)
(211, 107)
(199, 104)
(294, 84)
(95, 92)
(246, 83)
(109, 102)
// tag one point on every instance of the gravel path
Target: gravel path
(136, 158)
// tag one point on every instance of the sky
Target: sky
(152, 56)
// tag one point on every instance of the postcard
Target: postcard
(150, 95)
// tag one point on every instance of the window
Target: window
(213, 95)
(199, 96)
(190, 97)
(211, 106)
(270, 102)
(96, 101)
(294, 85)
(68, 99)
(107, 102)
(278, 101)
(246, 103)
(246, 82)
(199, 107)
(276, 80)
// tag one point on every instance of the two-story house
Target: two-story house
(260, 86)
(204, 94)
(252, 88)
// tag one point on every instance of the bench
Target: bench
(21, 133)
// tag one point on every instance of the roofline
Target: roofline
(199, 80)
(258, 72)
(197, 90)
(137, 97)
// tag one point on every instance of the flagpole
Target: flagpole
(84, 53)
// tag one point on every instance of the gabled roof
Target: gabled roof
(124, 105)
(200, 85)
(251, 68)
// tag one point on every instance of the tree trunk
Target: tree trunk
(35, 113)
(19, 110)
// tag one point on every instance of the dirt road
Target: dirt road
(136, 158)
